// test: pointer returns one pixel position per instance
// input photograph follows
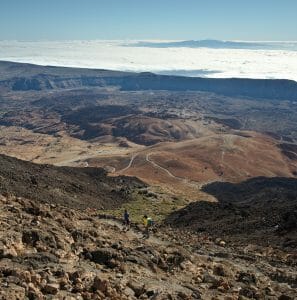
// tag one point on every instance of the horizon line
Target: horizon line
(148, 39)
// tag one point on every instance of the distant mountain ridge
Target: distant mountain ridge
(218, 44)
(24, 77)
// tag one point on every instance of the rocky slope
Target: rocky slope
(261, 210)
(75, 187)
(54, 252)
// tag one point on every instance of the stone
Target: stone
(79, 287)
(87, 296)
(269, 291)
(30, 237)
(75, 275)
(129, 292)
(198, 279)
(26, 276)
(248, 292)
(100, 284)
(123, 268)
(8, 252)
(113, 263)
(183, 295)
(219, 270)
(247, 278)
(285, 297)
(137, 287)
(13, 292)
(51, 288)
(103, 255)
(34, 292)
(36, 278)
(150, 292)
(207, 278)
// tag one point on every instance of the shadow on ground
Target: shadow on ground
(260, 210)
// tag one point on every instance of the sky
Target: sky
(251, 20)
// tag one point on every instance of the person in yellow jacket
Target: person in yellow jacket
(147, 222)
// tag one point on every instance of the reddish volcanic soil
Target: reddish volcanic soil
(185, 166)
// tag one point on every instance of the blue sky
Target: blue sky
(148, 19)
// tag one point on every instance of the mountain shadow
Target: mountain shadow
(260, 210)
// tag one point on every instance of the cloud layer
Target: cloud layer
(122, 55)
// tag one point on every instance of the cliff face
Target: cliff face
(39, 78)
(256, 88)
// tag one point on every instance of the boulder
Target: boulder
(8, 252)
(100, 284)
(30, 237)
(13, 292)
(51, 288)
(103, 255)
(285, 297)
(219, 270)
(137, 287)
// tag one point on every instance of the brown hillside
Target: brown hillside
(74, 187)
(185, 166)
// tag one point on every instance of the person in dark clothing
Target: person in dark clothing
(126, 220)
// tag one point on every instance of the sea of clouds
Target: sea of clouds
(244, 62)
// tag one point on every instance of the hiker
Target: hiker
(147, 222)
(126, 220)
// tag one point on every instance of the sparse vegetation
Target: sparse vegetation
(158, 208)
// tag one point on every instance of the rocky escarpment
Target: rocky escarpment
(24, 77)
(53, 252)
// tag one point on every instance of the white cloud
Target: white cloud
(206, 62)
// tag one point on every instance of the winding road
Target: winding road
(186, 181)
(147, 158)
(130, 163)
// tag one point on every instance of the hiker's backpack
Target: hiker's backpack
(150, 222)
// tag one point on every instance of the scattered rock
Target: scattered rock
(104, 256)
(137, 287)
(66, 258)
(51, 288)
(100, 285)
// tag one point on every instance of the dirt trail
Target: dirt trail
(190, 183)
(130, 163)
(229, 146)
(147, 158)
(135, 234)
